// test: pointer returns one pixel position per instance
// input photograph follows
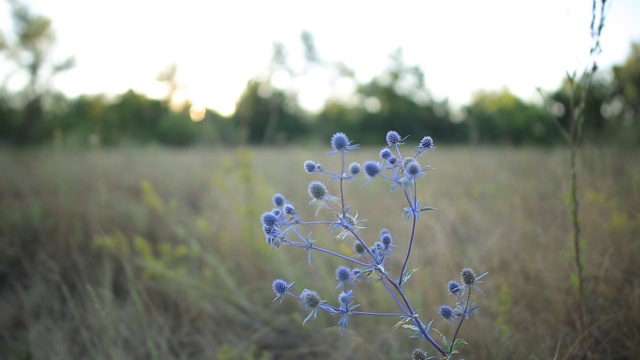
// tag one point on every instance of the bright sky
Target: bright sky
(461, 45)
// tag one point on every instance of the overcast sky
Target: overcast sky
(461, 46)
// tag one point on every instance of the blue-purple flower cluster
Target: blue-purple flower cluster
(283, 226)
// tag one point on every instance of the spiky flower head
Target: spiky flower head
(354, 168)
(426, 144)
(386, 239)
(310, 299)
(317, 190)
(385, 154)
(345, 299)
(413, 170)
(341, 143)
(393, 138)
(468, 276)
(447, 312)
(280, 287)
(371, 168)
(407, 160)
(310, 166)
(271, 235)
(392, 160)
(269, 219)
(419, 354)
(343, 275)
(278, 200)
(289, 209)
(454, 287)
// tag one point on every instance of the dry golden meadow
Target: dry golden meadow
(158, 254)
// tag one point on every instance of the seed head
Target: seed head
(468, 276)
(371, 168)
(419, 354)
(358, 247)
(310, 166)
(310, 299)
(354, 168)
(317, 190)
(393, 138)
(269, 219)
(278, 200)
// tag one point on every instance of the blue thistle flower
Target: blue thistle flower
(385, 154)
(412, 169)
(341, 143)
(447, 312)
(371, 168)
(386, 239)
(343, 275)
(289, 209)
(392, 160)
(354, 169)
(269, 219)
(272, 235)
(346, 306)
(393, 138)
(281, 288)
(345, 299)
(454, 287)
(310, 166)
(278, 200)
(426, 144)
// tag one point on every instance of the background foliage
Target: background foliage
(397, 98)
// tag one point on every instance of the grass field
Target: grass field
(159, 254)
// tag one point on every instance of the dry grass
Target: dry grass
(158, 254)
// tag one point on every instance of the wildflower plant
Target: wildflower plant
(283, 226)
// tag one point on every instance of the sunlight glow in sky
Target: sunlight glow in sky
(461, 46)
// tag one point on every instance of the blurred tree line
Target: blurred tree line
(266, 114)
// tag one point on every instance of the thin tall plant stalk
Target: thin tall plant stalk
(578, 93)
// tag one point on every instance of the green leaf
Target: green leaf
(575, 281)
